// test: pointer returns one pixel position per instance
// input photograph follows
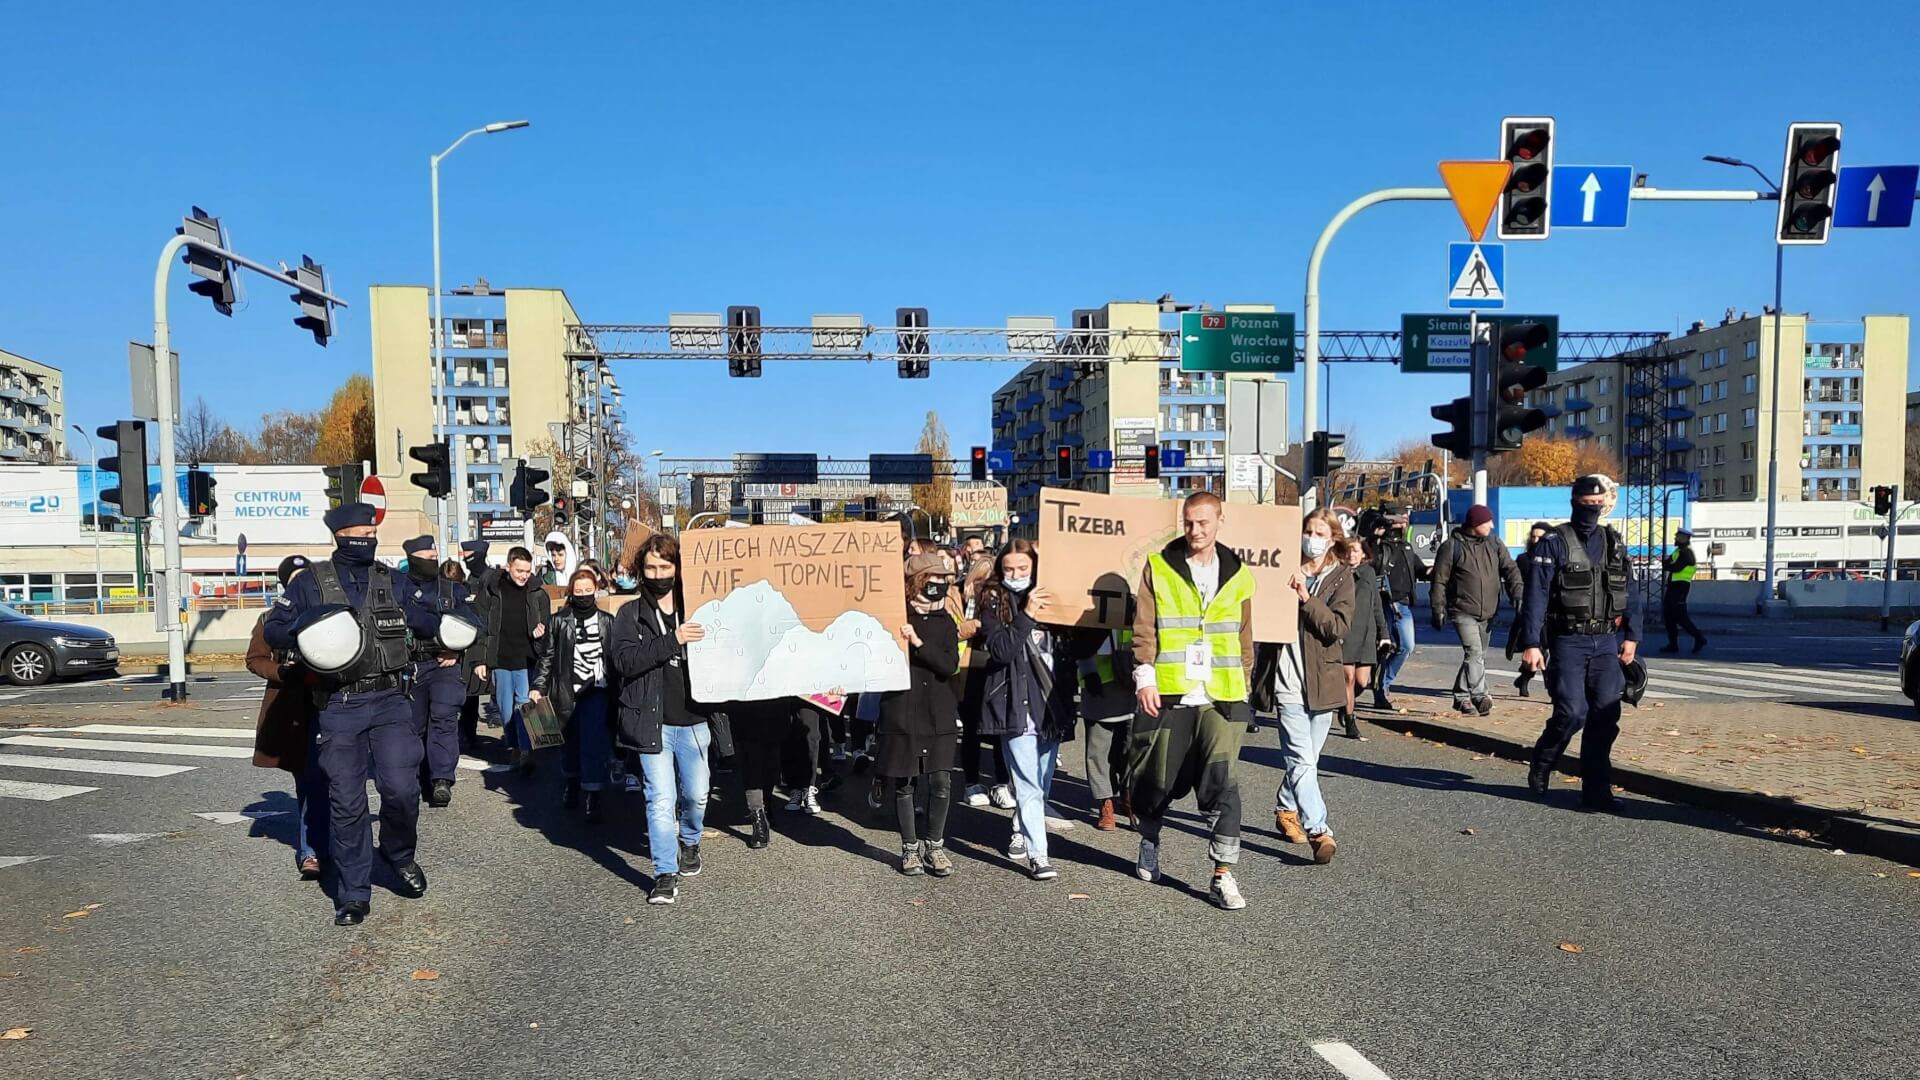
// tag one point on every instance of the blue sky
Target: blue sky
(980, 160)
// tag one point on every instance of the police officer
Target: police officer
(1579, 606)
(348, 618)
(1680, 566)
(439, 680)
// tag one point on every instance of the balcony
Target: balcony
(1073, 440)
(39, 428)
(1578, 403)
(15, 422)
(14, 393)
(1579, 431)
(1060, 381)
(1674, 445)
(1677, 382)
(12, 453)
(1676, 412)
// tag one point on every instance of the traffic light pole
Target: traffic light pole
(1886, 585)
(1480, 390)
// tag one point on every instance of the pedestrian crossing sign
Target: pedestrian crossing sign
(1476, 275)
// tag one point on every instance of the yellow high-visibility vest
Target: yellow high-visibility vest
(1180, 620)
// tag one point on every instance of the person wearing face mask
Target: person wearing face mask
(1399, 569)
(1581, 610)
(1367, 634)
(920, 726)
(1525, 563)
(572, 671)
(348, 619)
(439, 683)
(516, 610)
(478, 576)
(283, 734)
(658, 717)
(1468, 571)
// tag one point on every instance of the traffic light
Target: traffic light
(1527, 144)
(343, 483)
(127, 462)
(870, 507)
(910, 345)
(531, 484)
(1884, 498)
(1513, 377)
(1807, 183)
(437, 481)
(1458, 414)
(562, 511)
(200, 485)
(1153, 461)
(1063, 463)
(743, 341)
(1326, 451)
(316, 314)
(979, 463)
(217, 273)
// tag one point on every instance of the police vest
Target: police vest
(384, 646)
(443, 601)
(1180, 620)
(1589, 599)
(1683, 573)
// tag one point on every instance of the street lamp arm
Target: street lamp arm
(456, 144)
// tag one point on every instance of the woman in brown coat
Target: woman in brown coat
(284, 732)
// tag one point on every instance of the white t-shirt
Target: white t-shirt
(1206, 579)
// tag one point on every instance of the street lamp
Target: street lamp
(439, 327)
(94, 471)
(1773, 421)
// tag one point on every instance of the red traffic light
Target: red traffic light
(1529, 144)
(1817, 151)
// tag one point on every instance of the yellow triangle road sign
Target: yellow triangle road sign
(1475, 187)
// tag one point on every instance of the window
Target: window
(1746, 451)
(1746, 485)
(1719, 455)
(1603, 414)
(1753, 349)
(1749, 417)
(1706, 424)
(1605, 385)
(1606, 441)
(1723, 389)
(1720, 423)
(1750, 384)
(1679, 397)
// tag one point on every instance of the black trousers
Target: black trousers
(1585, 682)
(759, 735)
(806, 746)
(1674, 607)
(939, 801)
(973, 745)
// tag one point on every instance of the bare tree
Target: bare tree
(201, 436)
(935, 498)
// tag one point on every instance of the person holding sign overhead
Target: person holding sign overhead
(1193, 647)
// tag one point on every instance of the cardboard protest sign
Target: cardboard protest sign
(636, 535)
(793, 610)
(1094, 549)
(977, 505)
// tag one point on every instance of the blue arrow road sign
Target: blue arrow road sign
(1000, 461)
(1875, 196)
(1171, 458)
(1476, 275)
(1590, 196)
(1098, 460)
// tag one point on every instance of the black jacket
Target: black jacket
(1468, 572)
(1369, 625)
(639, 653)
(1013, 686)
(1400, 568)
(553, 662)
(491, 597)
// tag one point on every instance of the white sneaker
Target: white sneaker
(1146, 866)
(1001, 796)
(1017, 847)
(976, 795)
(1058, 824)
(1044, 871)
(810, 800)
(1225, 892)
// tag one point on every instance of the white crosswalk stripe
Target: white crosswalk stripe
(105, 766)
(72, 750)
(20, 860)
(22, 789)
(1758, 682)
(153, 732)
(119, 747)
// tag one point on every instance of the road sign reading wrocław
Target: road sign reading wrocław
(1236, 341)
(1441, 343)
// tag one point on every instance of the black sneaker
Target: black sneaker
(440, 794)
(666, 889)
(590, 805)
(1484, 706)
(570, 795)
(1699, 644)
(690, 860)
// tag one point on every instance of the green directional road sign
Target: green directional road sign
(1440, 343)
(1236, 341)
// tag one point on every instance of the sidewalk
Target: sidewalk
(1850, 779)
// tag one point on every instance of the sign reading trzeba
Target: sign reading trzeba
(1094, 549)
(793, 610)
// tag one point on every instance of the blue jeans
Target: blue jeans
(310, 792)
(677, 780)
(509, 697)
(1030, 762)
(1400, 629)
(1302, 734)
(589, 744)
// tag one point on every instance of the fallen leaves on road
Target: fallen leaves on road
(1078, 896)
(1568, 946)
(81, 914)
(1880, 874)
(628, 921)
(1468, 832)
(1477, 757)
(30, 950)
(425, 975)
(1858, 749)
(95, 907)
(1670, 733)
(918, 901)
(1913, 873)
(15, 1034)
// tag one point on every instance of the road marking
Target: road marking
(474, 764)
(115, 839)
(1349, 1061)
(1650, 693)
(21, 789)
(158, 732)
(113, 746)
(94, 765)
(230, 817)
(1889, 686)
(20, 860)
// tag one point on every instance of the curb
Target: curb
(1856, 835)
(158, 666)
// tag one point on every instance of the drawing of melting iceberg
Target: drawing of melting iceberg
(757, 648)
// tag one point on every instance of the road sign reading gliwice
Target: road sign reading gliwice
(1236, 341)
(1591, 196)
(1476, 275)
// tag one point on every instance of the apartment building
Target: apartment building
(1841, 426)
(509, 385)
(33, 416)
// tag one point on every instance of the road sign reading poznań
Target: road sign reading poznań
(1236, 341)
(1441, 343)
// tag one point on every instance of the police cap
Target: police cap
(347, 515)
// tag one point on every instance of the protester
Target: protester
(979, 753)
(1367, 634)
(1581, 624)
(284, 732)
(439, 677)
(1400, 569)
(919, 725)
(760, 735)
(1680, 567)
(517, 609)
(1468, 571)
(474, 570)
(1106, 707)
(809, 729)
(1193, 656)
(659, 719)
(1025, 704)
(561, 560)
(571, 671)
(1305, 678)
(1525, 563)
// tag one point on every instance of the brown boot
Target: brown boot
(1288, 822)
(1106, 822)
(1323, 847)
(1126, 810)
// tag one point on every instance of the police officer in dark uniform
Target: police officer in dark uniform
(349, 619)
(439, 679)
(1579, 606)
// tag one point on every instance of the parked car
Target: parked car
(1831, 574)
(1910, 665)
(33, 651)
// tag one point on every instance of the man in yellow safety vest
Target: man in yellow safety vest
(1680, 567)
(1193, 650)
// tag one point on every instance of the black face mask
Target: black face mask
(583, 605)
(933, 592)
(476, 564)
(657, 586)
(355, 550)
(1585, 517)
(422, 572)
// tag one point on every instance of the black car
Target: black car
(33, 651)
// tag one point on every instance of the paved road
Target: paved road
(1431, 947)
